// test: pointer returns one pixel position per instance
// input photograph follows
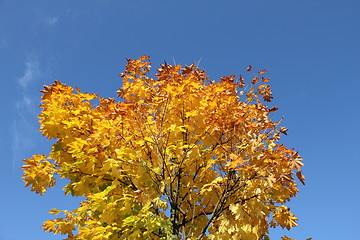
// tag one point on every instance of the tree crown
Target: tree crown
(179, 156)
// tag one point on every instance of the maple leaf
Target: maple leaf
(262, 71)
(300, 177)
(265, 79)
(242, 81)
(255, 80)
(283, 130)
(273, 109)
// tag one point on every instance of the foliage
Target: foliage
(179, 156)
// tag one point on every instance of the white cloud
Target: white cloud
(32, 72)
(24, 125)
(23, 129)
(51, 21)
(26, 103)
(27, 100)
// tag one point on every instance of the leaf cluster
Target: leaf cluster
(179, 156)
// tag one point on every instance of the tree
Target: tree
(179, 157)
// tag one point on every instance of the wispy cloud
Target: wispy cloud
(32, 71)
(51, 21)
(25, 104)
(24, 125)
(23, 131)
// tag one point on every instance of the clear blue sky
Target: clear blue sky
(311, 49)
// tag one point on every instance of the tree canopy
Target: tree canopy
(177, 156)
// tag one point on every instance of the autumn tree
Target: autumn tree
(178, 157)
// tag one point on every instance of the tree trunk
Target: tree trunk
(175, 222)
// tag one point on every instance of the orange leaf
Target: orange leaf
(300, 177)
(265, 79)
(242, 81)
(255, 80)
(262, 71)
(273, 109)
(283, 130)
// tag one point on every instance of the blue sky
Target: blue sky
(310, 48)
